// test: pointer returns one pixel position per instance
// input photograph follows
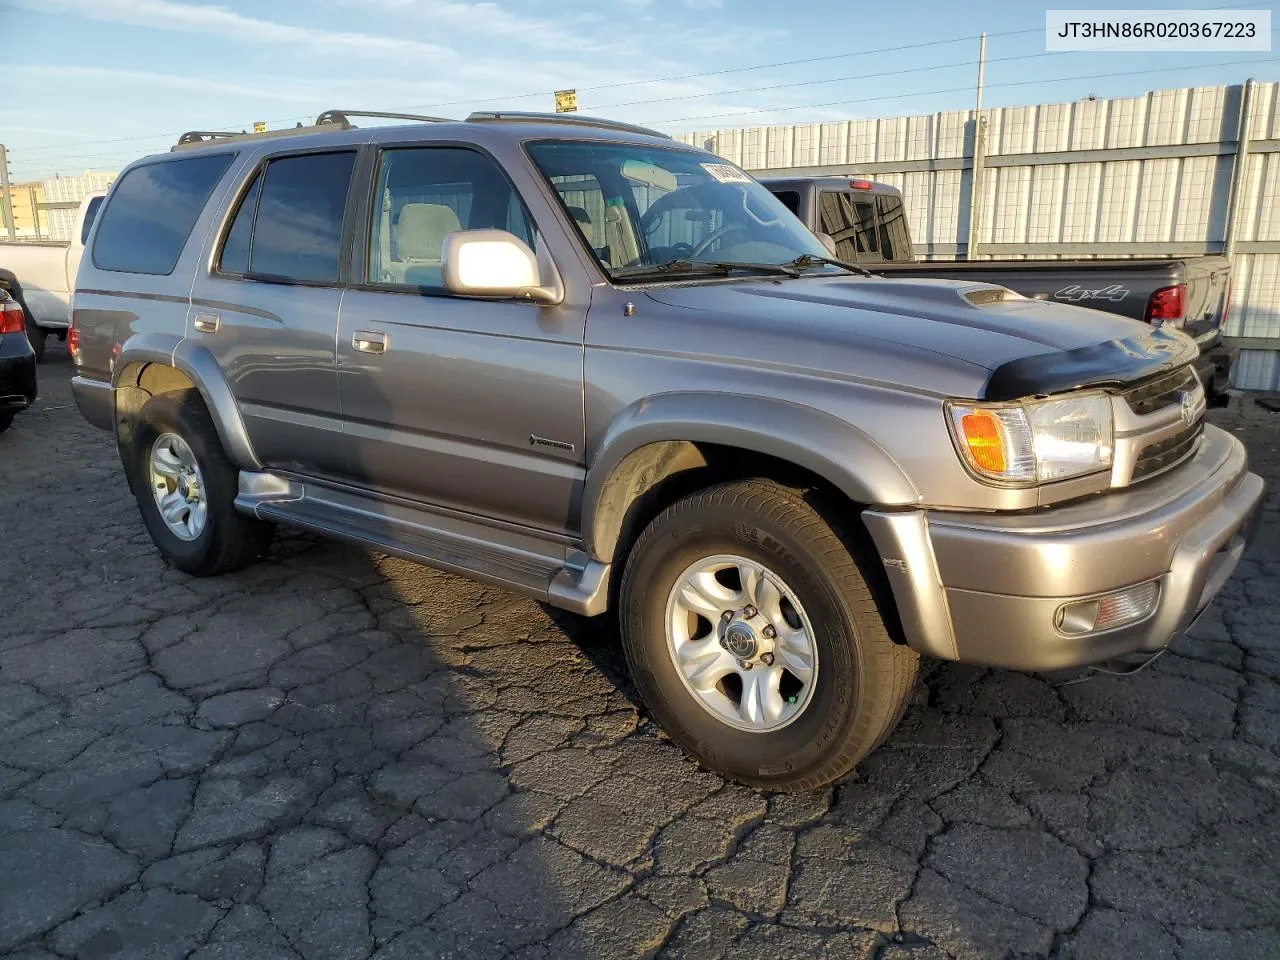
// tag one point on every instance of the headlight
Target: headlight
(1036, 441)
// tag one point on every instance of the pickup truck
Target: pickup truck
(867, 222)
(584, 362)
(40, 275)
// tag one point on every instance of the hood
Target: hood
(982, 325)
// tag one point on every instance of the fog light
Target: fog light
(1110, 611)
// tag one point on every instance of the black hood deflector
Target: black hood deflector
(1111, 363)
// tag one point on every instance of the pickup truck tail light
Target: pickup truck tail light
(73, 339)
(11, 318)
(860, 184)
(1226, 306)
(1166, 304)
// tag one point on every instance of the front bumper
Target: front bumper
(17, 373)
(986, 588)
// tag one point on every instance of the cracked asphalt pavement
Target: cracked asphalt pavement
(340, 755)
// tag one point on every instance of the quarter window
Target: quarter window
(422, 195)
(152, 212)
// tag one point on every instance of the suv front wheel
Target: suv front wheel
(755, 640)
(186, 487)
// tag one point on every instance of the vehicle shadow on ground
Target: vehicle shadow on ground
(335, 754)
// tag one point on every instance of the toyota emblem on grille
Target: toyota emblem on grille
(1188, 401)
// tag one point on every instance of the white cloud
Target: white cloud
(221, 22)
(271, 90)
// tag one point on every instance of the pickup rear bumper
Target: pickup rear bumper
(1214, 368)
(995, 589)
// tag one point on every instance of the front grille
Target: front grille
(1164, 391)
(1169, 452)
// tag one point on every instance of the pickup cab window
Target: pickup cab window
(864, 226)
(641, 209)
(851, 223)
(90, 211)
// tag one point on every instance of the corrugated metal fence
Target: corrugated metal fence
(1174, 172)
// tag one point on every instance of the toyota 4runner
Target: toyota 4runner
(582, 361)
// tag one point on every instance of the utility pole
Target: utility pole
(979, 156)
(4, 192)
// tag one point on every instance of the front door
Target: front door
(469, 404)
(268, 310)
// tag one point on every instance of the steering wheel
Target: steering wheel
(712, 238)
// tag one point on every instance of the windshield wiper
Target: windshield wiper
(720, 268)
(809, 260)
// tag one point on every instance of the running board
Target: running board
(549, 570)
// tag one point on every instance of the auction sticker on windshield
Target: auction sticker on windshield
(726, 173)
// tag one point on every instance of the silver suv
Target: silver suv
(582, 361)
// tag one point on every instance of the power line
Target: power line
(861, 100)
(604, 86)
(55, 150)
(811, 83)
(925, 93)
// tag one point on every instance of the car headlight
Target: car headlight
(1035, 441)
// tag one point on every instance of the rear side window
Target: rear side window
(289, 223)
(152, 211)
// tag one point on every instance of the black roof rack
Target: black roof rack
(204, 136)
(329, 119)
(516, 116)
(342, 116)
(196, 138)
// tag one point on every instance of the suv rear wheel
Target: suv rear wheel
(186, 487)
(755, 641)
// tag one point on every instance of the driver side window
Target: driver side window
(604, 221)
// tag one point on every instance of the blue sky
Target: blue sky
(97, 83)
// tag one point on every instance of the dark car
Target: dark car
(17, 362)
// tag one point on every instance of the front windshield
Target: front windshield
(642, 207)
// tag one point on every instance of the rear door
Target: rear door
(268, 307)
(464, 403)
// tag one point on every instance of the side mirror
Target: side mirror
(829, 242)
(494, 263)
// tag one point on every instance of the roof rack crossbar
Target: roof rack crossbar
(343, 116)
(516, 116)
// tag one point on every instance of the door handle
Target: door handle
(367, 341)
(205, 322)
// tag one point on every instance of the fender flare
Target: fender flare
(201, 368)
(674, 423)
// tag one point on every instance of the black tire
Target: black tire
(230, 540)
(6, 421)
(864, 679)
